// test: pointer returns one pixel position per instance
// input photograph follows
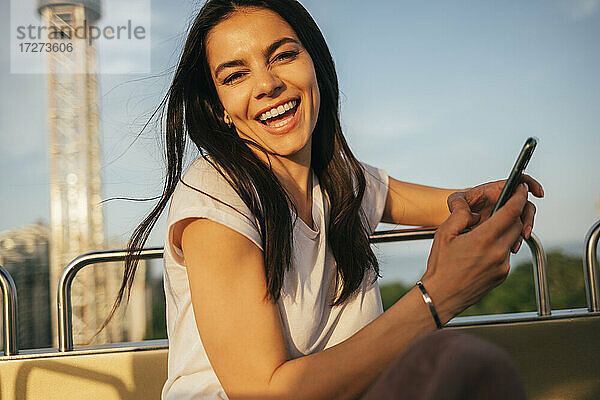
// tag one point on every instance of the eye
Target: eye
(232, 78)
(286, 55)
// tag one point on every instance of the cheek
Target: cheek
(314, 84)
(310, 80)
(316, 96)
(232, 101)
(305, 78)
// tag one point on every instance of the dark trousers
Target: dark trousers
(449, 365)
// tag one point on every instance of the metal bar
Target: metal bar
(9, 313)
(540, 263)
(590, 268)
(65, 322)
(402, 235)
(529, 316)
(540, 275)
(163, 344)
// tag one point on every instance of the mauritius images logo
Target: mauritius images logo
(80, 36)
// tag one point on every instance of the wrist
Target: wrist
(429, 302)
(441, 302)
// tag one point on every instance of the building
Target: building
(24, 253)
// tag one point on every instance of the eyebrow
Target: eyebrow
(268, 52)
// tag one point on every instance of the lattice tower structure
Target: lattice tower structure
(76, 217)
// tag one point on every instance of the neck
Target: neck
(294, 174)
(295, 177)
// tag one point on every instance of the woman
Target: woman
(270, 281)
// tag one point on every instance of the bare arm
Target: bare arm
(242, 333)
(347, 369)
(412, 204)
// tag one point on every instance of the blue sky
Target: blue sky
(439, 93)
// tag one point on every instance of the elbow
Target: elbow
(295, 380)
(276, 388)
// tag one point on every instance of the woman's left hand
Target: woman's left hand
(481, 200)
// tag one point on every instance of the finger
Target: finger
(459, 200)
(527, 217)
(511, 239)
(454, 198)
(517, 245)
(506, 217)
(460, 219)
(534, 186)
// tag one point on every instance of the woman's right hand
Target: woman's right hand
(462, 268)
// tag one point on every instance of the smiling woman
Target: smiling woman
(270, 281)
(271, 69)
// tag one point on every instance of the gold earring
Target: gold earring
(228, 120)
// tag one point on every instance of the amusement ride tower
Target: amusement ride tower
(76, 218)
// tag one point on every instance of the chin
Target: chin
(293, 149)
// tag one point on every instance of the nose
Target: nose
(268, 84)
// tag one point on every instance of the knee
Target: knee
(457, 346)
(453, 365)
(464, 365)
(453, 350)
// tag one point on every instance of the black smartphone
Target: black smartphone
(515, 174)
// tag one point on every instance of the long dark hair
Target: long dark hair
(194, 111)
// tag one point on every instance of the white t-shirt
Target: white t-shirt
(309, 324)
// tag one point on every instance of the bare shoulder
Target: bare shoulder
(214, 239)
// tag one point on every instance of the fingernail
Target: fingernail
(518, 247)
(528, 232)
(526, 186)
(542, 192)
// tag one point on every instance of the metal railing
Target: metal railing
(590, 268)
(9, 313)
(65, 324)
(540, 263)
(65, 321)
(540, 275)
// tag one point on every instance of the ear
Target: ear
(227, 119)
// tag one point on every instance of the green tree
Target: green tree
(516, 294)
(391, 292)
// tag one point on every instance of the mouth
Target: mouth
(279, 116)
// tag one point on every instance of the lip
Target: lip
(269, 108)
(287, 127)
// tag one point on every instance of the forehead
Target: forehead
(249, 29)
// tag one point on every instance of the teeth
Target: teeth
(285, 121)
(274, 112)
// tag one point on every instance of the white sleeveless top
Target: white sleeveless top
(309, 324)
